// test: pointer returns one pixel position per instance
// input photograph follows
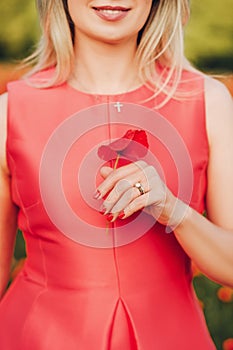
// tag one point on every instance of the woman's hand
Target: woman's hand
(124, 198)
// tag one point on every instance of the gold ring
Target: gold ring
(139, 187)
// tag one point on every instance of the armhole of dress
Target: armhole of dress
(206, 137)
(8, 156)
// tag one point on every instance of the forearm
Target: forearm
(208, 245)
(8, 229)
(5, 261)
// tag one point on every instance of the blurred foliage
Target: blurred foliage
(19, 29)
(218, 309)
(20, 249)
(208, 35)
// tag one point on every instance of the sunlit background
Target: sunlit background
(209, 46)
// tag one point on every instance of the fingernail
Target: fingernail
(109, 217)
(121, 214)
(102, 210)
(97, 194)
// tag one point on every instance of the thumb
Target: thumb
(105, 171)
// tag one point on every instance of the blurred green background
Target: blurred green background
(209, 46)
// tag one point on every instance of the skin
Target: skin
(106, 50)
(99, 48)
(82, 13)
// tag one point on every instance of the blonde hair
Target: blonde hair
(160, 40)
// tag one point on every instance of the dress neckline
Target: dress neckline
(121, 95)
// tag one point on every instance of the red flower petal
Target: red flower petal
(140, 137)
(133, 145)
(119, 145)
(106, 153)
(138, 148)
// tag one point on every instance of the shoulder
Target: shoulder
(216, 91)
(219, 108)
(27, 91)
(192, 82)
(3, 130)
(31, 80)
(3, 111)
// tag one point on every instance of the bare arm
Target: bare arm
(210, 242)
(8, 211)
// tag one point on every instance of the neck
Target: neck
(105, 69)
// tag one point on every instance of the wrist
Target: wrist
(174, 213)
(178, 215)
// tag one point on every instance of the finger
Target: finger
(137, 204)
(120, 210)
(145, 201)
(124, 192)
(105, 171)
(153, 200)
(115, 175)
(115, 194)
(131, 194)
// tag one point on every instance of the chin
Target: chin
(114, 39)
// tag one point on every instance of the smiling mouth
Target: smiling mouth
(111, 13)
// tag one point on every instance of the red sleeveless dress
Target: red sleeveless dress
(85, 285)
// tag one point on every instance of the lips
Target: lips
(111, 13)
(111, 8)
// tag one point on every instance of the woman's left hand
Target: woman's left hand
(124, 197)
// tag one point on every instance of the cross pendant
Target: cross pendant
(118, 106)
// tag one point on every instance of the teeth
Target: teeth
(111, 11)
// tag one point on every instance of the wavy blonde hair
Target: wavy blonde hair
(160, 40)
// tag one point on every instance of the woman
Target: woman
(112, 94)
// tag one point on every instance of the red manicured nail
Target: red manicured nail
(102, 211)
(97, 195)
(121, 214)
(109, 217)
